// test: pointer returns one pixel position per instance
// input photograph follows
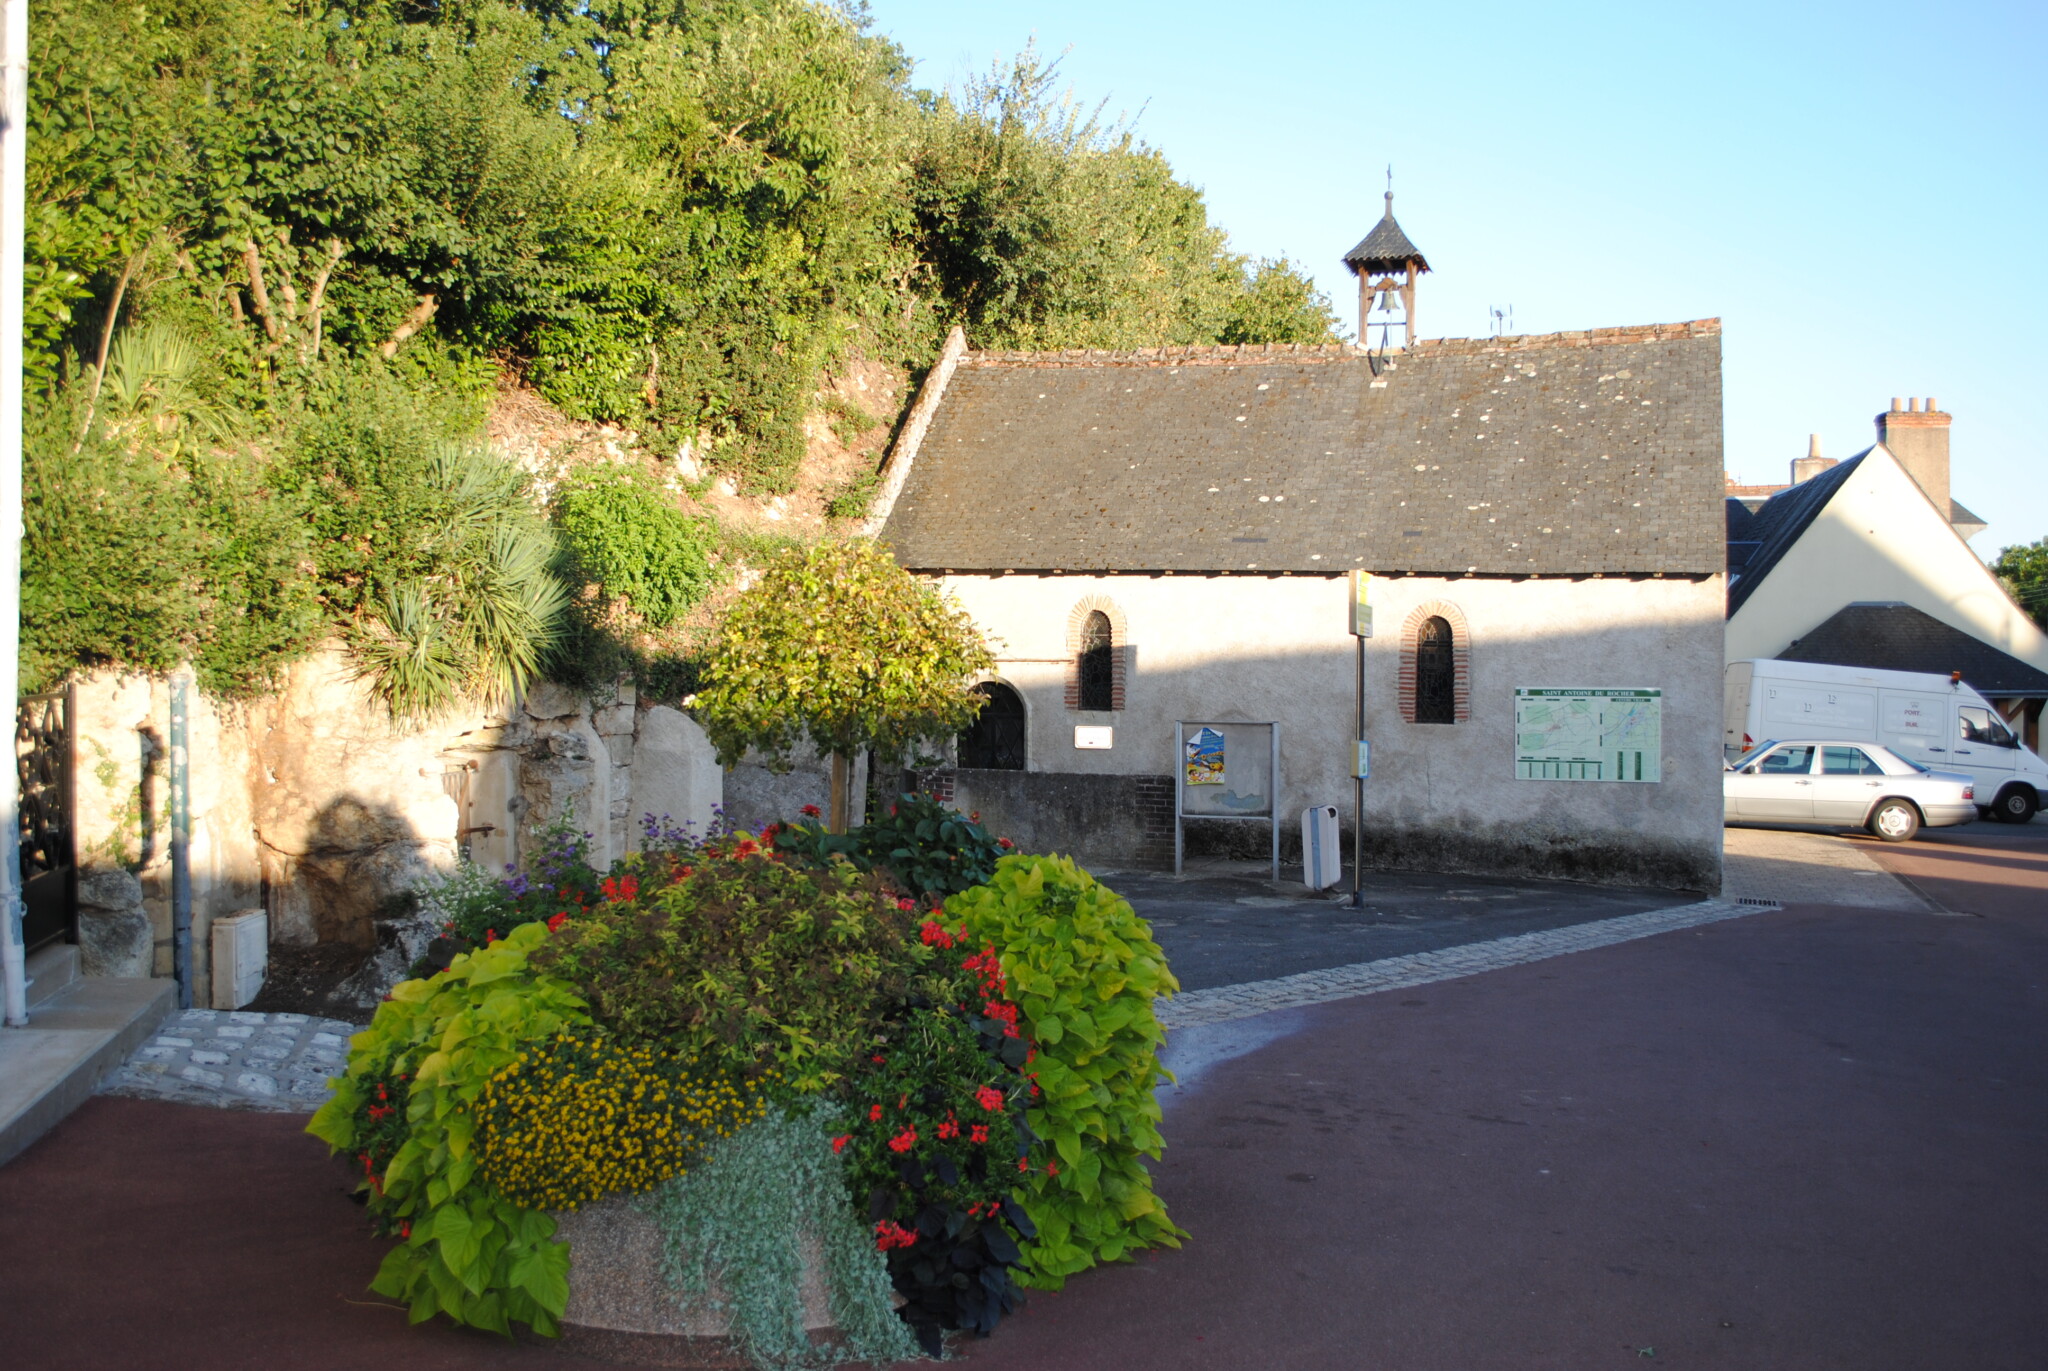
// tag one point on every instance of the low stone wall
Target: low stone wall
(313, 805)
(1105, 821)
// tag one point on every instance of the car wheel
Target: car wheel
(1894, 821)
(2015, 804)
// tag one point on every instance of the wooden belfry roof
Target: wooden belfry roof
(1386, 248)
(1569, 454)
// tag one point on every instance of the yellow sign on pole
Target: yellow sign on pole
(1361, 612)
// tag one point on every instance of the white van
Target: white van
(1938, 722)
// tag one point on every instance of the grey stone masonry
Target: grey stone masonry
(1228, 1002)
(237, 1060)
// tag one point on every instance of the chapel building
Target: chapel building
(1165, 537)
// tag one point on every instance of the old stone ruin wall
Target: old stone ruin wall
(311, 805)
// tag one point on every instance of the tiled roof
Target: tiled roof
(1897, 637)
(1568, 454)
(1776, 525)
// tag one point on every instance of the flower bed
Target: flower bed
(895, 1066)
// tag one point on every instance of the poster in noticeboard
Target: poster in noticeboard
(1205, 757)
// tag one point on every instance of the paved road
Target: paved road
(1225, 929)
(1802, 1139)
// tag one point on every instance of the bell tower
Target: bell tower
(1386, 265)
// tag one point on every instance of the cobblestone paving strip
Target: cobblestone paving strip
(1228, 1002)
(237, 1060)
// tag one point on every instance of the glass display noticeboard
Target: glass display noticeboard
(1227, 771)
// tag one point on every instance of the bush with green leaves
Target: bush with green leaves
(750, 962)
(146, 545)
(929, 849)
(1084, 968)
(466, 1250)
(628, 538)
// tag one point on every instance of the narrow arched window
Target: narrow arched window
(1436, 699)
(995, 740)
(1097, 665)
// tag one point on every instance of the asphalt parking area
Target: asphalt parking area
(1223, 926)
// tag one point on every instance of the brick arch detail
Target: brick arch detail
(1119, 647)
(1461, 657)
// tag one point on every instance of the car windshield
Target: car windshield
(1746, 758)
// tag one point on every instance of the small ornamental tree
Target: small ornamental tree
(838, 645)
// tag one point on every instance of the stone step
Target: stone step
(50, 1067)
(52, 970)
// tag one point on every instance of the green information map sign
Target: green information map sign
(1589, 734)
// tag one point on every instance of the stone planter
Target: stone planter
(621, 1310)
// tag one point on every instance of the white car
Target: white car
(1861, 785)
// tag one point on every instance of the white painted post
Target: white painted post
(13, 207)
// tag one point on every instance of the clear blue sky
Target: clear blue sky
(1858, 191)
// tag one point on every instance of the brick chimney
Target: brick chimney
(1812, 464)
(1918, 436)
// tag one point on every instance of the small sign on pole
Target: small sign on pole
(1361, 612)
(1361, 768)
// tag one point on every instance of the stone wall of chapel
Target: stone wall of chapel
(1256, 648)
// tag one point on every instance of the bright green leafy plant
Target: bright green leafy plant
(1084, 969)
(467, 1251)
(626, 536)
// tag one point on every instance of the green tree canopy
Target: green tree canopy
(838, 646)
(2024, 569)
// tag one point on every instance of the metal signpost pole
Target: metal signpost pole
(1361, 628)
(13, 154)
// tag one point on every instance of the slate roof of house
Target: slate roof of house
(1890, 636)
(1775, 526)
(1566, 454)
(1386, 248)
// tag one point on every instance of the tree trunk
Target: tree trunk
(840, 816)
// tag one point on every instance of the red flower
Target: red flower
(812, 811)
(989, 1098)
(620, 888)
(903, 1141)
(874, 1113)
(877, 1059)
(933, 934)
(906, 905)
(974, 816)
(979, 1133)
(558, 921)
(1023, 1163)
(839, 1143)
(949, 1129)
(1005, 844)
(1052, 1168)
(888, 1235)
(405, 1229)
(745, 847)
(490, 936)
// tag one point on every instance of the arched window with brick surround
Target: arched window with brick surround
(1097, 651)
(1435, 665)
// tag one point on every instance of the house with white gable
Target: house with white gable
(1162, 539)
(1866, 563)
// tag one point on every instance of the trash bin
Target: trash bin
(1322, 860)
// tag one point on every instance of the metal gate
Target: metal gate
(49, 877)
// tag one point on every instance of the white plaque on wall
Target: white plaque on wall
(1094, 737)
